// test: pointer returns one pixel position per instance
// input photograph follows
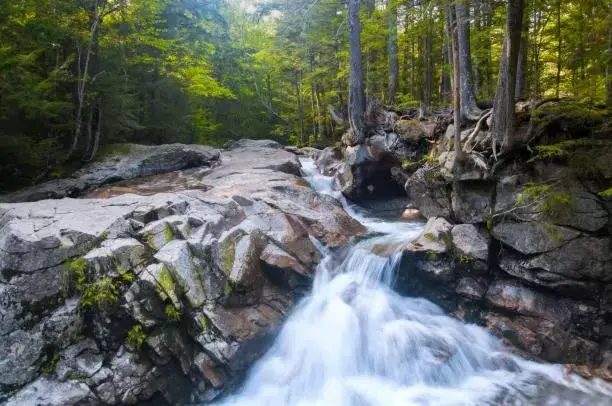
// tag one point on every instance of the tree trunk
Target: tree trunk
(298, 94)
(445, 85)
(558, 77)
(370, 7)
(426, 101)
(406, 49)
(469, 109)
(356, 105)
(82, 79)
(459, 157)
(392, 50)
(609, 65)
(503, 122)
(521, 69)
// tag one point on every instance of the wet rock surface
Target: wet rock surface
(527, 255)
(158, 297)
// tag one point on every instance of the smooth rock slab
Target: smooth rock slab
(532, 237)
(471, 241)
(52, 393)
(516, 298)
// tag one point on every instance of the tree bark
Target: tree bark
(503, 123)
(392, 50)
(426, 101)
(559, 39)
(83, 78)
(609, 64)
(356, 105)
(456, 95)
(469, 109)
(521, 69)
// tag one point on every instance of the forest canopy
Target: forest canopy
(77, 76)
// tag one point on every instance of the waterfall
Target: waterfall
(355, 342)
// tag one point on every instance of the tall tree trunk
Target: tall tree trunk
(459, 156)
(298, 94)
(392, 50)
(426, 101)
(83, 78)
(488, 21)
(469, 109)
(559, 39)
(413, 92)
(445, 82)
(370, 85)
(537, 23)
(503, 123)
(356, 105)
(609, 64)
(521, 69)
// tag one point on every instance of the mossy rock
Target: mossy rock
(409, 130)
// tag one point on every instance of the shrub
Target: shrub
(172, 313)
(136, 336)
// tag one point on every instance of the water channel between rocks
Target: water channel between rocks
(355, 342)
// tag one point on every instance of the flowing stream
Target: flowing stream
(354, 342)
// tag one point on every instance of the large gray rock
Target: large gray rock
(471, 241)
(471, 201)
(49, 392)
(186, 272)
(328, 161)
(532, 237)
(251, 144)
(567, 202)
(516, 298)
(577, 267)
(429, 192)
(129, 162)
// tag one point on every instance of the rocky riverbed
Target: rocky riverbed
(163, 288)
(521, 244)
(160, 274)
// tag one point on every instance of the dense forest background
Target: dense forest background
(79, 75)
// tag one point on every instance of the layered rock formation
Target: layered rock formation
(520, 245)
(157, 297)
(526, 250)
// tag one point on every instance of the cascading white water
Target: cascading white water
(354, 342)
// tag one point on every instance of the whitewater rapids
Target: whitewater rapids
(354, 342)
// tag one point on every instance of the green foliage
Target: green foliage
(49, 367)
(560, 150)
(571, 118)
(75, 276)
(545, 199)
(432, 255)
(228, 288)
(113, 150)
(136, 337)
(127, 277)
(412, 165)
(430, 237)
(166, 283)
(100, 294)
(203, 322)
(172, 312)
(168, 234)
(464, 259)
(210, 71)
(606, 193)
(228, 255)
